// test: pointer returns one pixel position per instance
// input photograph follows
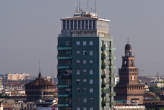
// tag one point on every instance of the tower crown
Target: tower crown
(84, 24)
(128, 50)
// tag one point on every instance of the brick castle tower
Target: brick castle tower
(129, 90)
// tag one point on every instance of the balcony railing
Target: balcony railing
(63, 86)
(63, 67)
(64, 58)
(63, 105)
(63, 95)
(64, 48)
(67, 76)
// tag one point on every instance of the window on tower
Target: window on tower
(84, 89)
(84, 80)
(78, 90)
(91, 72)
(90, 24)
(91, 81)
(94, 24)
(68, 43)
(86, 24)
(91, 90)
(77, 81)
(84, 52)
(67, 24)
(64, 24)
(91, 53)
(78, 108)
(83, 26)
(84, 61)
(91, 61)
(77, 42)
(71, 24)
(84, 70)
(75, 24)
(85, 100)
(91, 108)
(133, 77)
(91, 43)
(77, 61)
(84, 43)
(78, 52)
(79, 24)
(78, 72)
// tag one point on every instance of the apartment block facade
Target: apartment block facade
(85, 63)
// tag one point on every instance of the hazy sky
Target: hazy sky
(29, 30)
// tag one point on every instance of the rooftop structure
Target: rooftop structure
(85, 24)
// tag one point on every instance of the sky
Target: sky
(29, 31)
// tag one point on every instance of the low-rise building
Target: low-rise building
(158, 82)
(17, 76)
(162, 94)
(154, 105)
(1, 106)
(14, 88)
(150, 96)
(129, 107)
(40, 88)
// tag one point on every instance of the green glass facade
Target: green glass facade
(85, 64)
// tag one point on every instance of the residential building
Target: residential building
(85, 63)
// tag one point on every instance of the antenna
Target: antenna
(87, 5)
(76, 6)
(79, 5)
(95, 6)
(39, 68)
(157, 75)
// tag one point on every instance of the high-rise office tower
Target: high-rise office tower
(129, 90)
(85, 63)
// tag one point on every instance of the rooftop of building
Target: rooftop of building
(40, 81)
(85, 15)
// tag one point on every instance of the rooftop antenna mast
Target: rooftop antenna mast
(87, 5)
(39, 68)
(76, 6)
(79, 5)
(95, 6)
